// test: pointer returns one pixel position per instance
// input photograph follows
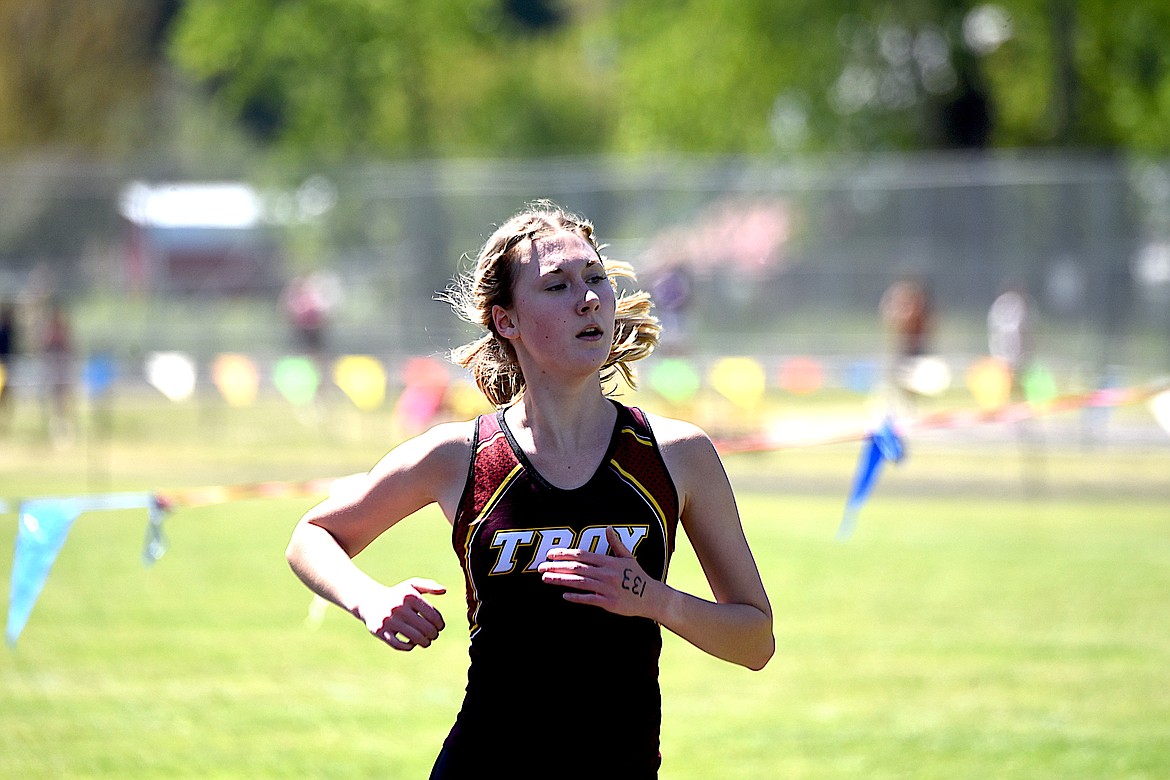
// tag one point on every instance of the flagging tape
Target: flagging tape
(220, 494)
(958, 418)
(45, 522)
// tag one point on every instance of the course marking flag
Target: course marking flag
(43, 527)
(44, 522)
(98, 374)
(297, 378)
(237, 378)
(882, 445)
(740, 380)
(173, 374)
(363, 379)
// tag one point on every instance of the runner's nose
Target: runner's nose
(591, 302)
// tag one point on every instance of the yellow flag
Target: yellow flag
(237, 379)
(363, 379)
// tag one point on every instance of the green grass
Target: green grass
(951, 639)
(974, 625)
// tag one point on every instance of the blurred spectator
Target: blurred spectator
(1011, 323)
(57, 352)
(906, 310)
(1010, 332)
(908, 314)
(307, 302)
(9, 349)
(671, 289)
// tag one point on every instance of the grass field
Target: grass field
(994, 615)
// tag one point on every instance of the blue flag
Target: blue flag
(155, 545)
(39, 537)
(882, 445)
(99, 373)
(44, 525)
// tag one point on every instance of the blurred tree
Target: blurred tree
(752, 75)
(80, 75)
(534, 14)
(725, 76)
(336, 79)
(333, 78)
(1084, 73)
(330, 79)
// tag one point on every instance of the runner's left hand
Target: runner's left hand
(615, 582)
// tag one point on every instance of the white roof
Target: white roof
(211, 205)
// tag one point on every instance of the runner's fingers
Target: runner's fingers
(574, 554)
(423, 608)
(418, 628)
(588, 580)
(562, 578)
(404, 637)
(397, 642)
(564, 567)
(405, 629)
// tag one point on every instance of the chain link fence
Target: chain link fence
(745, 256)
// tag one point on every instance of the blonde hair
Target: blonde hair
(491, 358)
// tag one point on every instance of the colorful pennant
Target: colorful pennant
(363, 379)
(883, 445)
(236, 378)
(44, 525)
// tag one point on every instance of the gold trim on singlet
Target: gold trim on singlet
(473, 528)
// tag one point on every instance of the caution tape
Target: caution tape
(221, 494)
(779, 439)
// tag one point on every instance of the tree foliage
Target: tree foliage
(342, 77)
(336, 79)
(80, 74)
(1091, 73)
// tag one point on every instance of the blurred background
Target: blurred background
(223, 226)
(300, 177)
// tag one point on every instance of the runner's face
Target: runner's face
(562, 313)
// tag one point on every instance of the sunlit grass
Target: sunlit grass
(974, 625)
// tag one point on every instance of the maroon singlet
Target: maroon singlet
(555, 687)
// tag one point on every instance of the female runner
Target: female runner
(563, 506)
